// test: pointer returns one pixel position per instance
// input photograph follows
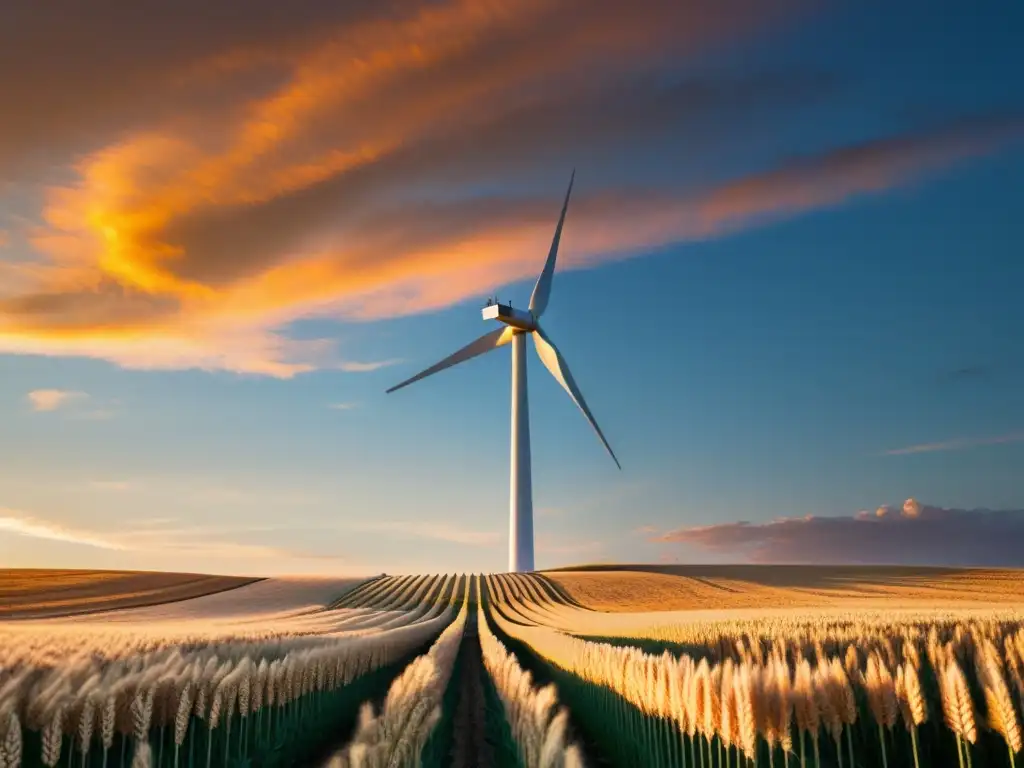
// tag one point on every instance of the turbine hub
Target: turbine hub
(520, 319)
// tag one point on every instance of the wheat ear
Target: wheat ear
(11, 747)
(52, 737)
(1002, 716)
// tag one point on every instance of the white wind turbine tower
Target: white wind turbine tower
(518, 325)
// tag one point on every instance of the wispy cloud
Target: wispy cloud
(216, 542)
(367, 367)
(213, 200)
(645, 530)
(342, 406)
(957, 444)
(152, 535)
(193, 544)
(23, 524)
(911, 534)
(52, 399)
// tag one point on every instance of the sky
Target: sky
(789, 281)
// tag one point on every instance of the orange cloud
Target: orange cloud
(501, 246)
(450, 253)
(335, 170)
(51, 399)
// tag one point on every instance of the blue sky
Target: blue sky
(794, 248)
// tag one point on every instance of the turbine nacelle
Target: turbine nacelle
(520, 319)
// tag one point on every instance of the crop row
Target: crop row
(376, 675)
(854, 692)
(71, 695)
(509, 671)
(525, 724)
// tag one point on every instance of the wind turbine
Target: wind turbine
(519, 324)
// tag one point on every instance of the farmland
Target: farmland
(38, 593)
(676, 666)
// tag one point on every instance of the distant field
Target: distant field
(283, 595)
(289, 604)
(38, 593)
(644, 588)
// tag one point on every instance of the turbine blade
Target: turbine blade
(485, 343)
(554, 362)
(542, 290)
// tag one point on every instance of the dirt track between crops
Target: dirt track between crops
(470, 748)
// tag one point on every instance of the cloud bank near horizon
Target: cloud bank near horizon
(914, 534)
(184, 201)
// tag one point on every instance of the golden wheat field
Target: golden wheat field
(702, 666)
(31, 593)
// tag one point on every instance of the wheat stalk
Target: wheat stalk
(1001, 715)
(784, 710)
(86, 722)
(11, 746)
(958, 708)
(730, 722)
(713, 707)
(143, 757)
(52, 737)
(770, 712)
(396, 736)
(182, 719)
(745, 686)
(697, 700)
(805, 709)
(823, 689)
(875, 685)
(911, 703)
(107, 721)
